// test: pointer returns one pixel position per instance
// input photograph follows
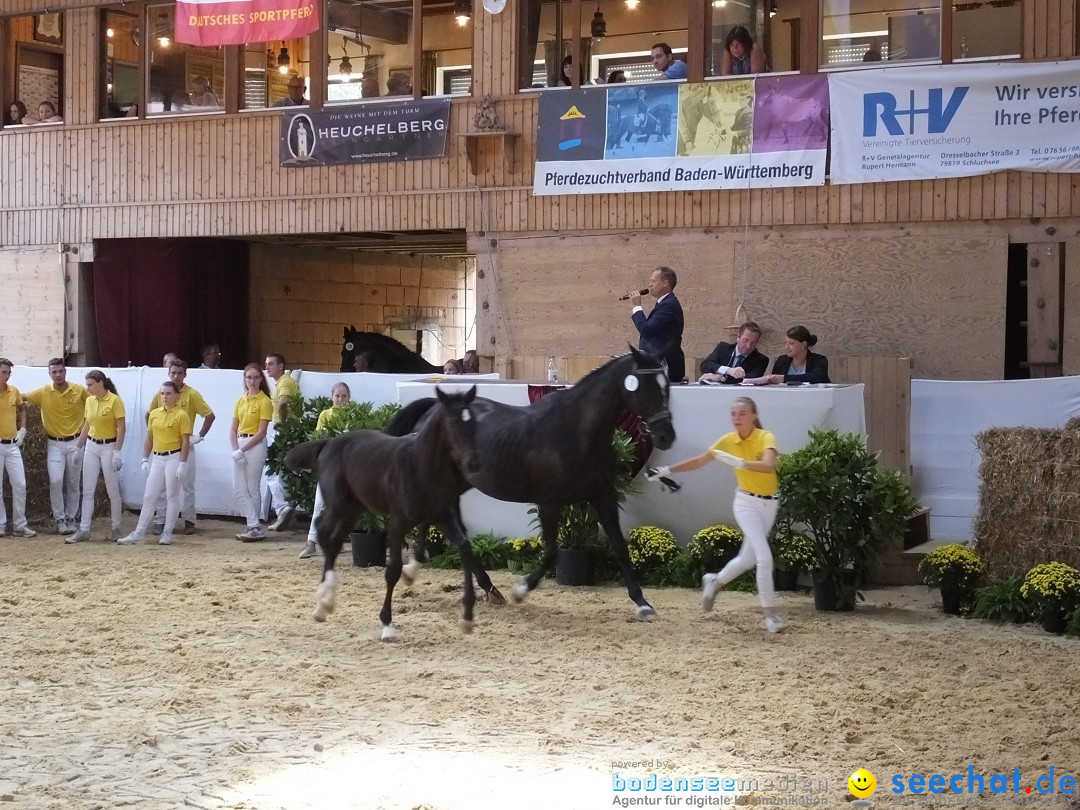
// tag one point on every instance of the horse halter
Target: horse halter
(631, 384)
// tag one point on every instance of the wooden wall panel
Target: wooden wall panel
(301, 298)
(876, 297)
(1070, 343)
(33, 330)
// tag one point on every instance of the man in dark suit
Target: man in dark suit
(661, 330)
(731, 363)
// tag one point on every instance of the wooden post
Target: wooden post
(1044, 309)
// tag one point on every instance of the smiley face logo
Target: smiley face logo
(862, 784)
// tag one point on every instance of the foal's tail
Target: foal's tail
(406, 420)
(305, 456)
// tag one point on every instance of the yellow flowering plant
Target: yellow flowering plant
(525, 549)
(650, 547)
(714, 546)
(1052, 585)
(793, 551)
(954, 566)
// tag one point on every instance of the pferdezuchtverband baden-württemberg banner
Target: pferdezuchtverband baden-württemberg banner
(923, 123)
(235, 22)
(758, 132)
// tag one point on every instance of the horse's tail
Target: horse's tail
(305, 456)
(406, 420)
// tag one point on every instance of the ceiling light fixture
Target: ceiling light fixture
(283, 60)
(632, 4)
(164, 42)
(772, 11)
(109, 33)
(463, 11)
(345, 66)
(599, 25)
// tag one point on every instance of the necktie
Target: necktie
(736, 359)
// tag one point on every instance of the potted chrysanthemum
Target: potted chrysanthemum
(650, 547)
(793, 552)
(957, 571)
(1054, 589)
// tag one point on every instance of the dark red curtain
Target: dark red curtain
(153, 296)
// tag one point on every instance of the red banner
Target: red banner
(235, 22)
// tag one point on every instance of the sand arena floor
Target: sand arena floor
(194, 676)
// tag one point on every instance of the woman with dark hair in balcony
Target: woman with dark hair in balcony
(16, 112)
(742, 56)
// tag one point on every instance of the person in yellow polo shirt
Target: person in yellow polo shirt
(284, 389)
(339, 395)
(62, 408)
(102, 436)
(247, 435)
(192, 403)
(12, 432)
(165, 452)
(751, 450)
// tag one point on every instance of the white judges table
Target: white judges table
(701, 415)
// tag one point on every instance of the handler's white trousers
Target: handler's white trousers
(247, 476)
(187, 493)
(162, 474)
(11, 462)
(99, 457)
(64, 479)
(320, 505)
(272, 483)
(755, 517)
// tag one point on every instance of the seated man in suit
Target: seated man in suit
(661, 330)
(731, 363)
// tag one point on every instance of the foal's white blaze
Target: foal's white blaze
(630, 383)
(324, 597)
(465, 415)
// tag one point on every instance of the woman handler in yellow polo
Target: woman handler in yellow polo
(247, 435)
(102, 436)
(165, 452)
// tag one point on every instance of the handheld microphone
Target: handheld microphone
(627, 297)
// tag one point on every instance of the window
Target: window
(274, 74)
(369, 45)
(121, 56)
(987, 30)
(37, 84)
(447, 55)
(868, 30)
(182, 78)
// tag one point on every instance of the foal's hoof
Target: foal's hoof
(495, 597)
(466, 626)
(409, 571)
(519, 591)
(320, 613)
(389, 633)
(645, 613)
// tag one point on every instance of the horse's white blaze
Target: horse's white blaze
(389, 633)
(630, 383)
(409, 571)
(519, 590)
(465, 415)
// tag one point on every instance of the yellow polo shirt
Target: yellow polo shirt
(10, 400)
(284, 387)
(61, 411)
(189, 401)
(101, 415)
(324, 417)
(168, 427)
(752, 448)
(250, 411)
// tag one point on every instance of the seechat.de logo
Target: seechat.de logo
(885, 109)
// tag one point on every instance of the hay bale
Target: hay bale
(1029, 498)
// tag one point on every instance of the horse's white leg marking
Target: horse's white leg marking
(519, 590)
(324, 597)
(409, 571)
(645, 613)
(389, 633)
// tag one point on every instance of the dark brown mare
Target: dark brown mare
(411, 479)
(558, 451)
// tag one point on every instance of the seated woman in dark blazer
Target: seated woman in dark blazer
(798, 364)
